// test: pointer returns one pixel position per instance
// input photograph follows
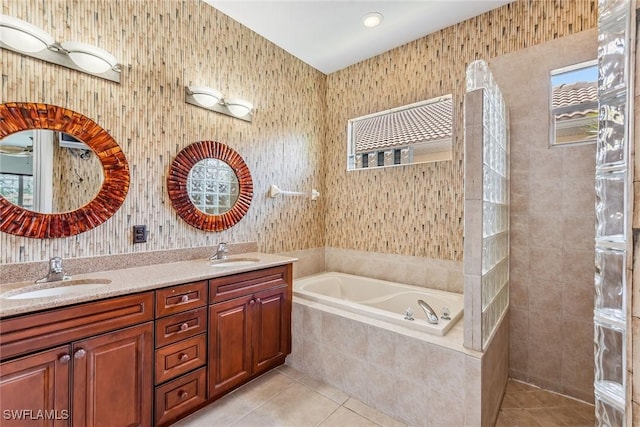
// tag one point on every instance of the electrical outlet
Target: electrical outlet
(139, 233)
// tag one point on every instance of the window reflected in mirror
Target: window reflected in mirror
(574, 104)
(415, 133)
(48, 172)
(212, 186)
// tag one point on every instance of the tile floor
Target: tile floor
(286, 397)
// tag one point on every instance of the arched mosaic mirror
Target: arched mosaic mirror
(210, 186)
(54, 138)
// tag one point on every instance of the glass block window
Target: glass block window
(212, 186)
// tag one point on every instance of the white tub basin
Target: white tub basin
(65, 287)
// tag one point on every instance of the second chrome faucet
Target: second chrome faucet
(221, 252)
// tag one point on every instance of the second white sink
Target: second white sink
(56, 288)
(233, 262)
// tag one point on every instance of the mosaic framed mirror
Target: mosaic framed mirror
(210, 186)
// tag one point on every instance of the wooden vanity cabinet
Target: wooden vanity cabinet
(249, 326)
(97, 373)
(181, 351)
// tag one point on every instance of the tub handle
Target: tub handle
(408, 314)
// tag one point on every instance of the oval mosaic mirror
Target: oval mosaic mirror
(42, 223)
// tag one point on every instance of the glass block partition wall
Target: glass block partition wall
(613, 214)
(486, 207)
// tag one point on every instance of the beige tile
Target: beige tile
(545, 296)
(443, 411)
(448, 378)
(290, 372)
(382, 389)
(381, 347)
(578, 231)
(344, 417)
(545, 196)
(579, 162)
(545, 263)
(325, 389)
(518, 417)
(345, 336)
(222, 412)
(296, 406)
(371, 414)
(545, 230)
(518, 339)
(263, 388)
(411, 408)
(578, 196)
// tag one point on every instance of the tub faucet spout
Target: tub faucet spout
(432, 317)
(56, 271)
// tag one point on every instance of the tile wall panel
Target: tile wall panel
(365, 209)
(164, 45)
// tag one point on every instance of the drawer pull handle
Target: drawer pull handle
(64, 358)
(184, 326)
(184, 357)
(183, 394)
(185, 298)
(79, 354)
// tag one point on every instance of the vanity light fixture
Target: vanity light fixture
(211, 99)
(27, 39)
(23, 36)
(90, 58)
(372, 19)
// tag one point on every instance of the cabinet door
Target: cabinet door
(34, 390)
(229, 344)
(271, 328)
(113, 380)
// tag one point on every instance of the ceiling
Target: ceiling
(329, 35)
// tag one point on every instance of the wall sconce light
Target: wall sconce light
(27, 39)
(211, 99)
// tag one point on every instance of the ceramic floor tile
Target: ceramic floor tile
(263, 388)
(371, 414)
(325, 389)
(296, 406)
(345, 417)
(221, 413)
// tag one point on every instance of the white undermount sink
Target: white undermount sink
(52, 289)
(234, 262)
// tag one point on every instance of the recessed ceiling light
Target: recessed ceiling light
(372, 19)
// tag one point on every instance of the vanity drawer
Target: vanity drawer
(177, 299)
(228, 287)
(180, 326)
(176, 359)
(180, 396)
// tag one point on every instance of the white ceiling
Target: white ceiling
(329, 35)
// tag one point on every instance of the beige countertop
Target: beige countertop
(128, 281)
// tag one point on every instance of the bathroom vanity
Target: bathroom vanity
(151, 355)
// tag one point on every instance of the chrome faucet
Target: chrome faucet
(221, 252)
(56, 271)
(432, 317)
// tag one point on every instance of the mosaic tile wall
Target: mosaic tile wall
(164, 45)
(417, 210)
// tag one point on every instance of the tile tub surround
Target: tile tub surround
(416, 378)
(411, 270)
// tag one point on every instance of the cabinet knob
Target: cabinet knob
(184, 357)
(184, 326)
(64, 358)
(185, 298)
(79, 354)
(183, 394)
(252, 302)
